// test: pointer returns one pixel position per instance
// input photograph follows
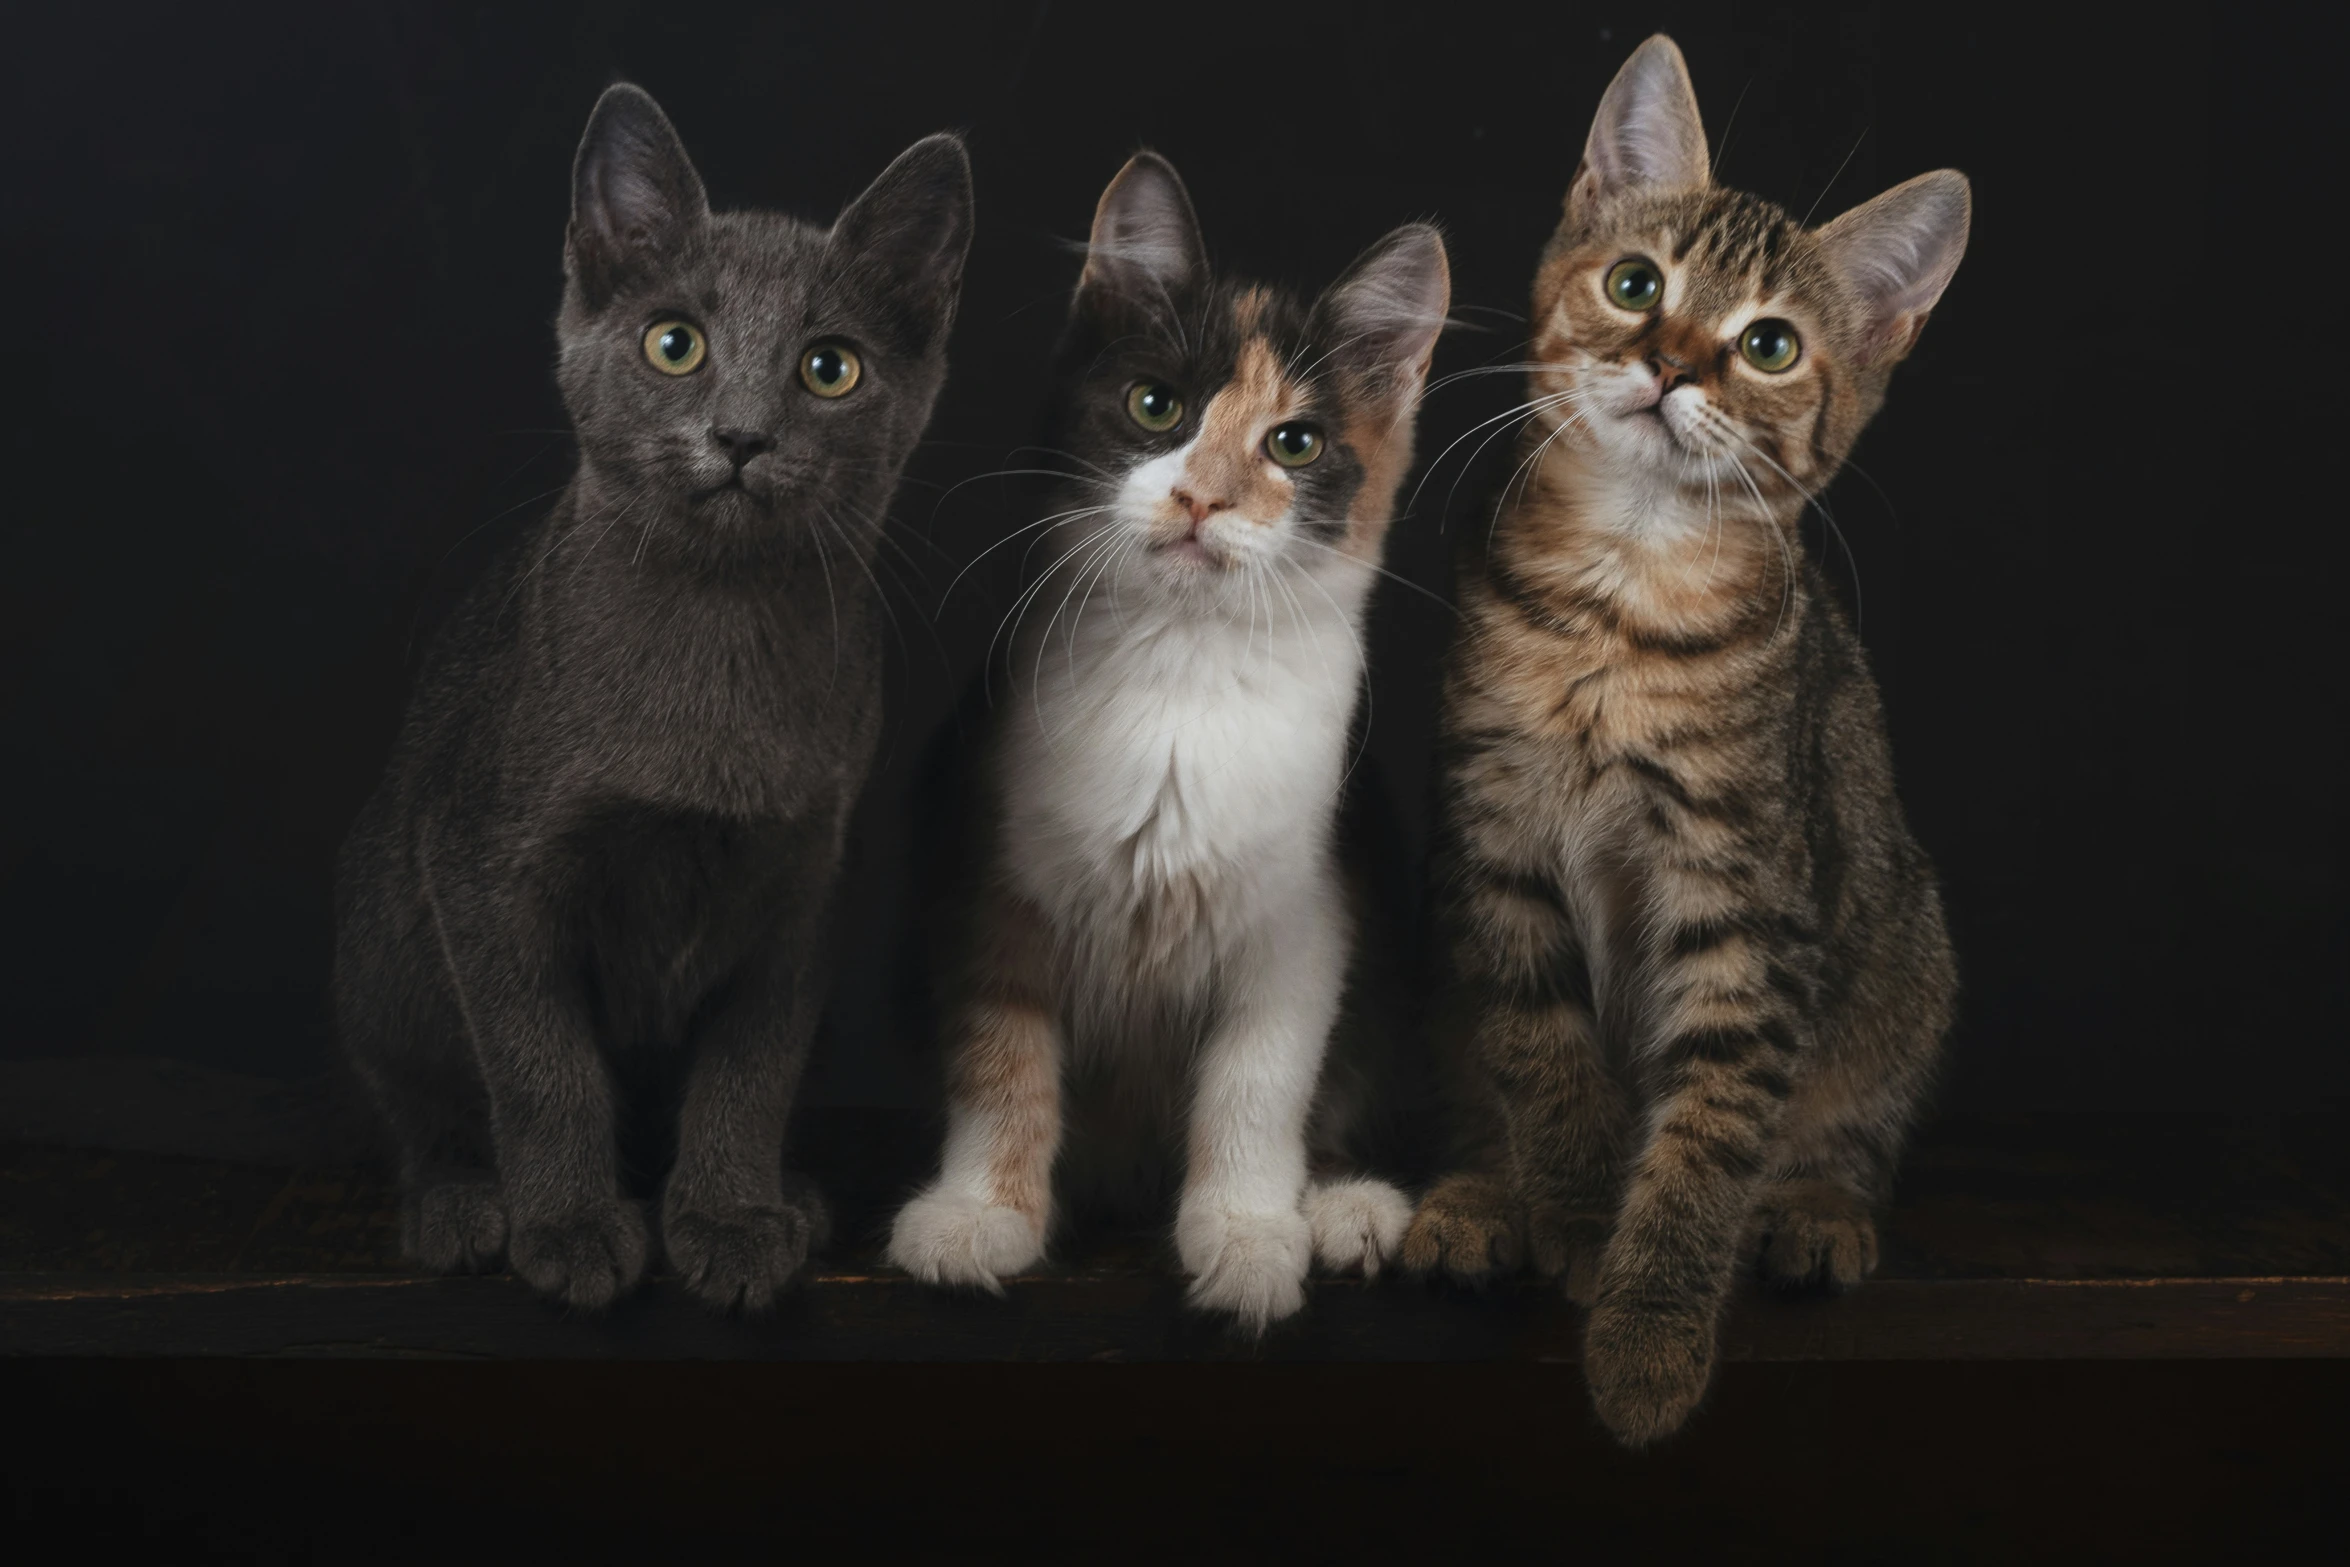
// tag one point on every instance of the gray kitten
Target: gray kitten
(588, 896)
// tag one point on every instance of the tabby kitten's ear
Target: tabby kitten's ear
(1647, 131)
(907, 236)
(1145, 246)
(1898, 253)
(635, 197)
(1382, 317)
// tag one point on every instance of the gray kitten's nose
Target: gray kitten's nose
(740, 445)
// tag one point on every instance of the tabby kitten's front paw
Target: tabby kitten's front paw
(1467, 1229)
(456, 1227)
(742, 1258)
(1647, 1367)
(1252, 1265)
(586, 1258)
(955, 1238)
(1815, 1236)
(1357, 1223)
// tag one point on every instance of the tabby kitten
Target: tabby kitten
(587, 898)
(1154, 929)
(1697, 970)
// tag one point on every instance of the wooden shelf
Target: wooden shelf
(2016, 1238)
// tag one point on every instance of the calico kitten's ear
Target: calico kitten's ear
(1647, 131)
(1381, 318)
(1145, 244)
(907, 236)
(634, 194)
(1899, 253)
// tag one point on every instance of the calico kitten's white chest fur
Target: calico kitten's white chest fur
(1168, 787)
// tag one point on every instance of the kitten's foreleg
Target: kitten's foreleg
(569, 1232)
(1723, 1063)
(989, 1211)
(1525, 983)
(1239, 1229)
(734, 1226)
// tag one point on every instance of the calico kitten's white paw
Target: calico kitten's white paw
(947, 1237)
(1356, 1223)
(1252, 1265)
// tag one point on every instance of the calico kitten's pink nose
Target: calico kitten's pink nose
(740, 445)
(1196, 509)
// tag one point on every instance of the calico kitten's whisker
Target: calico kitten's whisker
(1399, 580)
(1057, 520)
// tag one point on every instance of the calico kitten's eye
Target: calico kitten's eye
(1293, 445)
(1634, 284)
(1154, 405)
(1771, 346)
(829, 370)
(675, 347)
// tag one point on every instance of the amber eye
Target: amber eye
(1634, 284)
(1293, 445)
(1771, 346)
(830, 370)
(675, 347)
(1154, 405)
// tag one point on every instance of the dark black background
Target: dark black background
(281, 356)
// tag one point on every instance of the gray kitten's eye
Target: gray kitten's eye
(830, 370)
(1770, 346)
(1293, 445)
(1635, 285)
(1154, 405)
(675, 347)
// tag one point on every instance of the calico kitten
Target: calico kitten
(588, 896)
(1155, 929)
(1697, 971)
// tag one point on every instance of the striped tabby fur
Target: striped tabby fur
(1696, 970)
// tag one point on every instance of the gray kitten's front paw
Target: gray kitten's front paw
(744, 1257)
(455, 1227)
(586, 1258)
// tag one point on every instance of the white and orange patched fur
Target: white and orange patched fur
(1153, 939)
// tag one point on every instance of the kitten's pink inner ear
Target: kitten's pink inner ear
(1899, 252)
(1647, 130)
(1145, 235)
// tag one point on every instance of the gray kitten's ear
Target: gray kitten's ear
(1647, 130)
(634, 193)
(907, 236)
(1899, 252)
(1145, 243)
(1382, 317)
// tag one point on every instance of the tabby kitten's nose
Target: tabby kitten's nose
(1671, 371)
(740, 445)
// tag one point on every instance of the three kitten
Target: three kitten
(1693, 972)
(1153, 932)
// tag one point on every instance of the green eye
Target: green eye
(830, 370)
(675, 347)
(1154, 405)
(1771, 346)
(1634, 284)
(1294, 445)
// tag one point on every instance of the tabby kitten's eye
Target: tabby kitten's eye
(1771, 346)
(1154, 405)
(830, 370)
(675, 347)
(1293, 445)
(1634, 284)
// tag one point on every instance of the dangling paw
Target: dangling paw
(1356, 1223)
(1647, 1367)
(955, 1238)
